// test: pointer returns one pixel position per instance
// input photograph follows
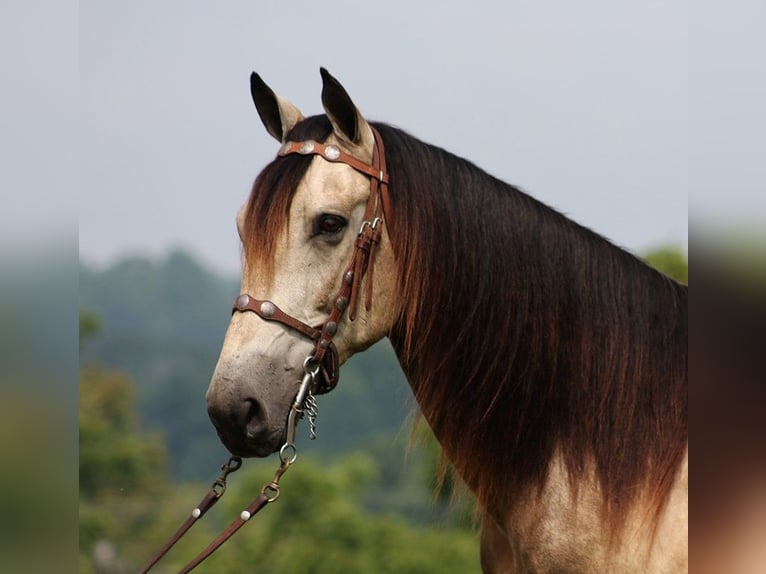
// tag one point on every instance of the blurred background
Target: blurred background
(136, 118)
(570, 103)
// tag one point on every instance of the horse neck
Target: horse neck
(524, 334)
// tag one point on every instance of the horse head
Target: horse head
(301, 230)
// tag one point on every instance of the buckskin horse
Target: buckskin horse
(550, 364)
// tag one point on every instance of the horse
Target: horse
(550, 364)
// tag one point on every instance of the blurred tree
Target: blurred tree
(121, 469)
(113, 455)
(671, 261)
(318, 526)
(90, 325)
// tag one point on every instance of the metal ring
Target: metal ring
(375, 222)
(283, 457)
(219, 487)
(233, 464)
(311, 366)
(271, 491)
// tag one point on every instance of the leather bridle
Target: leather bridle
(321, 367)
(362, 260)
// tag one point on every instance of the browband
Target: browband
(334, 154)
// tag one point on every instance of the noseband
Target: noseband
(325, 354)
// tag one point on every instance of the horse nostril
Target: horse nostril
(245, 418)
(255, 422)
(243, 423)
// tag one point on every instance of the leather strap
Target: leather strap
(327, 358)
(205, 504)
(362, 262)
(268, 311)
(238, 523)
(377, 171)
(214, 495)
(332, 153)
(379, 157)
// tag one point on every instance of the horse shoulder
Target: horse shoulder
(561, 531)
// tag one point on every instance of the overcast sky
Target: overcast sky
(585, 105)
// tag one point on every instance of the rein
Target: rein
(321, 369)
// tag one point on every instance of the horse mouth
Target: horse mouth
(258, 446)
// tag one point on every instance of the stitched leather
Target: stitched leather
(317, 148)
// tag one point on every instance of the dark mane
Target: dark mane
(522, 333)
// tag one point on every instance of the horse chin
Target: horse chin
(253, 447)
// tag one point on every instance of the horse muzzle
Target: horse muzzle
(251, 418)
(245, 428)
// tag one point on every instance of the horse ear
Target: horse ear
(348, 123)
(277, 114)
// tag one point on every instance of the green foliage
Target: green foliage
(121, 469)
(90, 325)
(672, 262)
(318, 526)
(112, 452)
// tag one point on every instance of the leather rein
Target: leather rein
(321, 368)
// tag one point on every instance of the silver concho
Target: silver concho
(342, 303)
(268, 309)
(306, 147)
(332, 152)
(285, 149)
(331, 328)
(242, 301)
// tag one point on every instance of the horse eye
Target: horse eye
(328, 224)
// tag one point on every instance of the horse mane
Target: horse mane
(522, 334)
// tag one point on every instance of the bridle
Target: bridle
(321, 368)
(362, 260)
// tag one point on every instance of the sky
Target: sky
(609, 111)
